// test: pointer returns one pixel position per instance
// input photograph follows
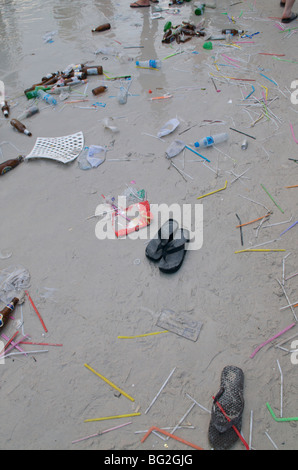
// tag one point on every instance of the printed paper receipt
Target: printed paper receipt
(149, 459)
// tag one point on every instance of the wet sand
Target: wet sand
(90, 291)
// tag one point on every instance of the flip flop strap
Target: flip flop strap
(232, 422)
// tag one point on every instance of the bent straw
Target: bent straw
(111, 417)
(110, 383)
(271, 339)
(280, 420)
(213, 192)
(155, 428)
(234, 427)
(292, 130)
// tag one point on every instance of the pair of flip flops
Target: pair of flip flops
(168, 247)
(227, 409)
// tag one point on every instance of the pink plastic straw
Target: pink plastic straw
(271, 339)
(292, 130)
(101, 432)
(14, 345)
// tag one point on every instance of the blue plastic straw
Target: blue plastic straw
(197, 153)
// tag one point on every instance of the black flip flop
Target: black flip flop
(174, 252)
(230, 397)
(165, 234)
(282, 4)
(293, 17)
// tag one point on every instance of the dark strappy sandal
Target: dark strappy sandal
(221, 434)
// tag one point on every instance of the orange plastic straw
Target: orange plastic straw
(252, 221)
(162, 431)
(234, 427)
(36, 311)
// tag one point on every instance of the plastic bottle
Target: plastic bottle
(20, 127)
(103, 27)
(99, 89)
(5, 109)
(93, 70)
(10, 164)
(29, 112)
(234, 32)
(46, 97)
(33, 93)
(122, 95)
(152, 64)
(199, 9)
(212, 140)
(4, 314)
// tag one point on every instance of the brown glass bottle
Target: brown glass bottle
(10, 164)
(103, 27)
(19, 126)
(5, 313)
(233, 32)
(98, 90)
(95, 70)
(5, 109)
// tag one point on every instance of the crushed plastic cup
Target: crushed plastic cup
(169, 127)
(96, 155)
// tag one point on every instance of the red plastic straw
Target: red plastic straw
(8, 342)
(36, 311)
(155, 428)
(234, 427)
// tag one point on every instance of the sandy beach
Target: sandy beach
(88, 291)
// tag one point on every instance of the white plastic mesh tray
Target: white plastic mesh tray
(64, 149)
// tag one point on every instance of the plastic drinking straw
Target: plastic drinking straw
(281, 387)
(9, 341)
(189, 148)
(15, 345)
(280, 420)
(247, 135)
(101, 432)
(111, 417)
(272, 198)
(270, 80)
(271, 339)
(262, 250)
(110, 383)
(141, 336)
(40, 344)
(161, 389)
(252, 221)
(213, 192)
(253, 90)
(295, 186)
(292, 130)
(293, 225)
(234, 427)
(155, 428)
(36, 311)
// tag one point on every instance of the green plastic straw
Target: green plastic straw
(280, 420)
(272, 198)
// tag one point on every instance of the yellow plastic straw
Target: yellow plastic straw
(110, 383)
(141, 336)
(111, 417)
(261, 250)
(213, 192)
